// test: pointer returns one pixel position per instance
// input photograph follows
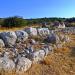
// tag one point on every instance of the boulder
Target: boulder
(23, 64)
(52, 38)
(1, 43)
(43, 31)
(38, 56)
(6, 63)
(9, 38)
(21, 35)
(31, 31)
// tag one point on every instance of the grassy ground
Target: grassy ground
(15, 28)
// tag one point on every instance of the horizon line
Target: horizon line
(37, 17)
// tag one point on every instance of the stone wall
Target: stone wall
(19, 53)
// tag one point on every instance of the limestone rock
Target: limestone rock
(6, 63)
(43, 31)
(38, 56)
(52, 38)
(23, 64)
(9, 38)
(31, 31)
(21, 35)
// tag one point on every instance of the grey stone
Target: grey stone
(21, 35)
(23, 64)
(27, 52)
(6, 63)
(43, 31)
(38, 56)
(52, 38)
(31, 31)
(9, 38)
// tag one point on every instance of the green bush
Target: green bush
(14, 22)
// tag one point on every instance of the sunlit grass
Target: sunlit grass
(2, 29)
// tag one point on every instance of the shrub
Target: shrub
(14, 22)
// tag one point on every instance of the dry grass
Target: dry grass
(61, 63)
(63, 60)
(62, 50)
(3, 29)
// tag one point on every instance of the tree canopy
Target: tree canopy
(15, 21)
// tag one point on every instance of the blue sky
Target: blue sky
(37, 8)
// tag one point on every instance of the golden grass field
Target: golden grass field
(60, 62)
(3, 29)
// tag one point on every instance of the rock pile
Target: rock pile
(20, 55)
(43, 32)
(68, 30)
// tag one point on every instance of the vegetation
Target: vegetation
(17, 21)
(13, 22)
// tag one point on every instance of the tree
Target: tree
(15, 21)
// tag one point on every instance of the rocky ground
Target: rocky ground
(59, 61)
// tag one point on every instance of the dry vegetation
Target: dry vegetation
(61, 62)
(2, 29)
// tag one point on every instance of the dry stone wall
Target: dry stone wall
(21, 56)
